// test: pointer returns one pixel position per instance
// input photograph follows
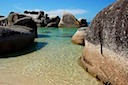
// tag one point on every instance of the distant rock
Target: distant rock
(1, 16)
(15, 38)
(41, 14)
(52, 24)
(13, 17)
(39, 17)
(3, 21)
(105, 54)
(68, 21)
(28, 22)
(54, 21)
(83, 22)
(78, 37)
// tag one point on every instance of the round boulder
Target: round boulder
(68, 21)
(15, 38)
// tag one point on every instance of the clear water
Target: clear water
(51, 60)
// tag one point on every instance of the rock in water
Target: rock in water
(83, 23)
(68, 21)
(54, 21)
(105, 54)
(15, 38)
(78, 37)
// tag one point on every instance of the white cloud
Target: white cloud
(23, 9)
(56, 12)
(61, 11)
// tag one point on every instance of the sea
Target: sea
(51, 60)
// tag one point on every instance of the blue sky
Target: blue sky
(80, 8)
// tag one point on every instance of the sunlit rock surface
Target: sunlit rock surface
(68, 21)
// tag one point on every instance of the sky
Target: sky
(79, 8)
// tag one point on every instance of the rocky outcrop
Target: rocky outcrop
(15, 38)
(3, 21)
(40, 18)
(45, 20)
(54, 21)
(68, 21)
(105, 54)
(83, 22)
(13, 17)
(1, 16)
(28, 22)
(78, 37)
(31, 12)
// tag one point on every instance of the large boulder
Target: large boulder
(105, 54)
(28, 22)
(15, 38)
(68, 21)
(78, 37)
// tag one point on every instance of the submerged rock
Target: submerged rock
(15, 38)
(68, 21)
(105, 54)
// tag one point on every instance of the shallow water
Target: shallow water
(50, 60)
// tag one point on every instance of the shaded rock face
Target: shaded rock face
(83, 23)
(69, 21)
(15, 38)
(78, 37)
(105, 55)
(41, 14)
(1, 16)
(45, 20)
(28, 22)
(54, 21)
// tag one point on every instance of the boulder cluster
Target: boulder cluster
(43, 20)
(19, 29)
(105, 53)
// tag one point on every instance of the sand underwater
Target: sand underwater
(50, 60)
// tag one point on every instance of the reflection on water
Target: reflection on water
(51, 60)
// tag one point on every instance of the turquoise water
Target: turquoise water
(50, 60)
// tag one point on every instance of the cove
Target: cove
(50, 60)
